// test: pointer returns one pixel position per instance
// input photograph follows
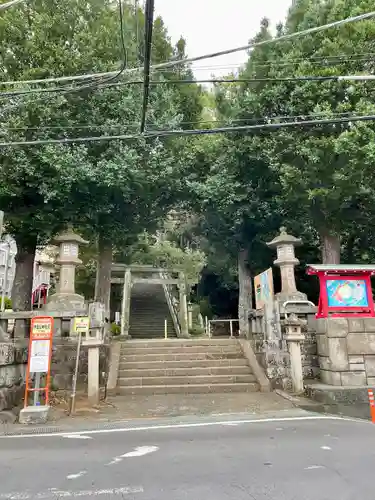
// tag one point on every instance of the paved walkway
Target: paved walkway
(172, 405)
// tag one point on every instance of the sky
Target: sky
(214, 25)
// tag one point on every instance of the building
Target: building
(43, 270)
(8, 250)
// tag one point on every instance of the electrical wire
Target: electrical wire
(178, 62)
(149, 23)
(135, 125)
(170, 133)
(201, 122)
(306, 78)
(4, 6)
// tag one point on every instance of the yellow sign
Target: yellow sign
(81, 325)
(263, 286)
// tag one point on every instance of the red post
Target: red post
(372, 405)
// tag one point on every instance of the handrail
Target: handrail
(171, 306)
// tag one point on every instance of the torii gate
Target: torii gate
(127, 280)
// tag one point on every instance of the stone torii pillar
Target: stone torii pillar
(125, 305)
(286, 261)
(184, 320)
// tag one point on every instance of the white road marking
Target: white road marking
(231, 423)
(315, 467)
(325, 448)
(185, 426)
(53, 493)
(76, 476)
(75, 436)
(140, 451)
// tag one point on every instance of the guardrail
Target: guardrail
(172, 307)
(230, 321)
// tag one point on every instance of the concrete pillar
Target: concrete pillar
(286, 261)
(184, 321)
(125, 306)
(294, 336)
(93, 390)
(190, 314)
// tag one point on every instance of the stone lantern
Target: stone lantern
(65, 298)
(293, 336)
(286, 261)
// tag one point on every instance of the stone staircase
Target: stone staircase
(184, 366)
(148, 312)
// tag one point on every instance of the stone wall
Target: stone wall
(13, 364)
(346, 349)
(64, 355)
(13, 360)
(278, 368)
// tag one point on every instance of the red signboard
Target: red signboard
(345, 291)
(39, 359)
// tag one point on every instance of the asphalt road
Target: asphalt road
(320, 459)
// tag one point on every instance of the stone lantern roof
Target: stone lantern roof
(284, 239)
(69, 236)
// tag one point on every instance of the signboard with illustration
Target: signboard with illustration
(345, 290)
(263, 286)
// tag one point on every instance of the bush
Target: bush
(196, 331)
(115, 329)
(8, 303)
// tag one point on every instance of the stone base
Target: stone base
(283, 297)
(32, 415)
(65, 302)
(342, 400)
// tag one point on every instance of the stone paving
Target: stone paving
(171, 405)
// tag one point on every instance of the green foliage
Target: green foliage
(7, 302)
(166, 254)
(115, 329)
(196, 331)
(114, 188)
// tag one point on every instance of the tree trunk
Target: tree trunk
(103, 274)
(245, 293)
(331, 247)
(23, 285)
(23, 279)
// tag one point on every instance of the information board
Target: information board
(39, 358)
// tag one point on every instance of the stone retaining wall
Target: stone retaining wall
(13, 364)
(13, 359)
(281, 367)
(64, 355)
(346, 349)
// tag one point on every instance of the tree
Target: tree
(111, 189)
(319, 185)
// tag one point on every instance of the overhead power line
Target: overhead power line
(4, 6)
(170, 133)
(307, 78)
(135, 125)
(149, 23)
(173, 63)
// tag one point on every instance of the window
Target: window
(2, 257)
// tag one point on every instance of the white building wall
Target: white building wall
(43, 265)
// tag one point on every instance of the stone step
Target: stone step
(144, 344)
(184, 371)
(181, 356)
(188, 389)
(187, 349)
(186, 363)
(188, 380)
